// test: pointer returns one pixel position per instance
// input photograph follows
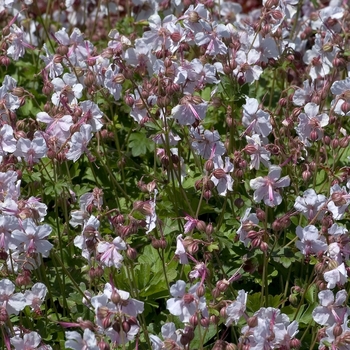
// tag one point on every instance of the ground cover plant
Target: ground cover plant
(174, 174)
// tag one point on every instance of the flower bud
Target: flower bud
(207, 195)
(188, 298)
(3, 255)
(293, 299)
(102, 312)
(252, 321)
(205, 322)
(345, 107)
(131, 253)
(3, 315)
(222, 285)
(209, 165)
(216, 293)
(295, 343)
(344, 142)
(87, 324)
(200, 291)
(201, 226)
(126, 326)
(102, 345)
(116, 326)
(306, 175)
(193, 248)
(338, 199)
(23, 279)
(194, 320)
(337, 330)
(194, 17)
(260, 214)
(209, 229)
(214, 319)
(313, 135)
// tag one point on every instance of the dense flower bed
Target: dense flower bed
(174, 174)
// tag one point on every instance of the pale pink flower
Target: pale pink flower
(110, 255)
(33, 238)
(11, 301)
(184, 305)
(266, 188)
(31, 151)
(36, 296)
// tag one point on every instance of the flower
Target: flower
(256, 119)
(33, 238)
(126, 305)
(79, 142)
(337, 276)
(248, 223)
(12, 302)
(18, 42)
(30, 341)
(246, 65)
(7, 141)
(67, 90)
(31, 151)
(258, 153)
(340, 200)
(311, 242)
(188, 112)
(311, 124)
(110, 255)
(221, 175)
(311, 205)
(111, 78)
(76, 342)
(36, 296)
(151, 218)
(185, 304)
(331, 310)
(207, 143)
(235, 310)
(265, 187)
(180, 250)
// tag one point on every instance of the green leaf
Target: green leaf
(212, 247)
(139, 144)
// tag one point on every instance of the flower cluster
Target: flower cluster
(173, 148)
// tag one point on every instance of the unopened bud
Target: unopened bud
(205, 322)
(260, 214)
(337, 330)
(200, 291)
(344, 142)
(126, 326)
(194, 17)
(209, 165)
(222, 285)
(252, 321)
(338, 199)
(3, 315)
(131, 253)
(306, 175)
(219, 173)
(188, 298)
(209, 229)
(201, 226)
(194, 320)
(345, 107)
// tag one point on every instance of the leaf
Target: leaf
(212, 247)
(211, 332)
(139, 144)
(306, 317)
